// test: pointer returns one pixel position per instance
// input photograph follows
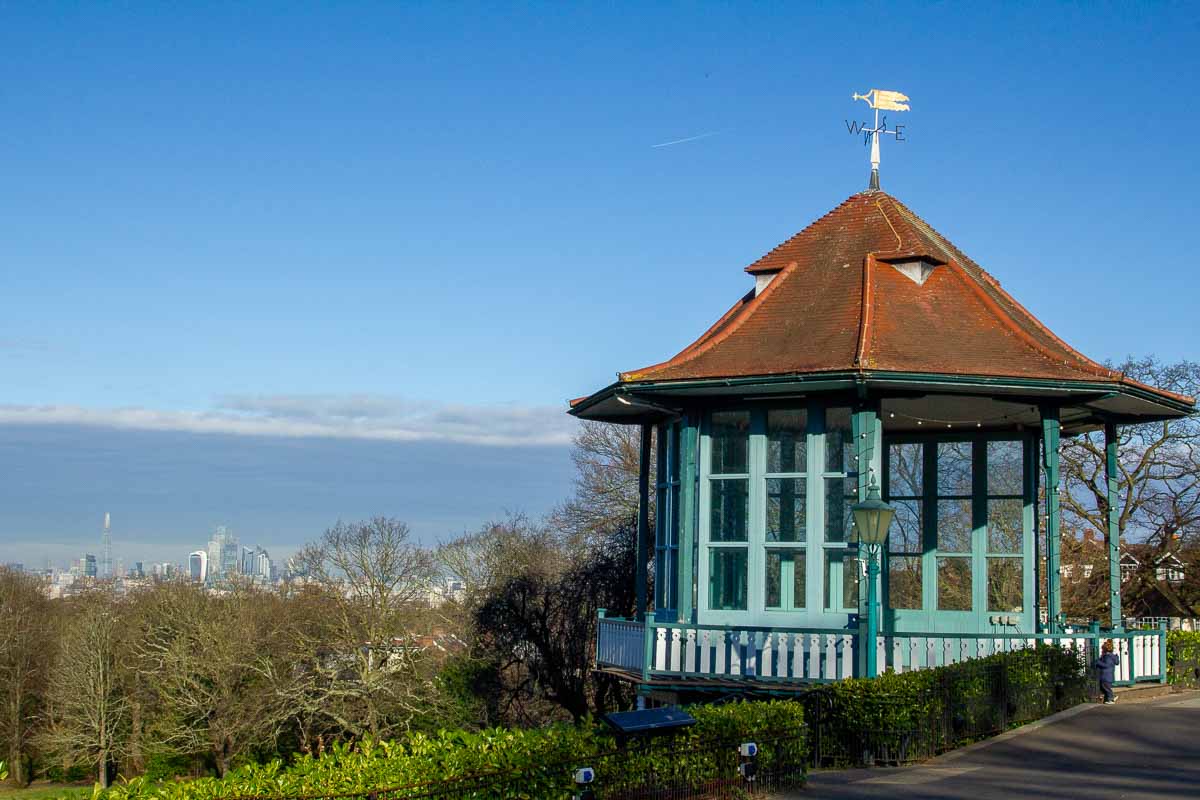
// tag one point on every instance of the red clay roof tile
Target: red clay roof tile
(838, 305)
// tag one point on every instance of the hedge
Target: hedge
(532, 763)
(897, 718)
(1183, 658)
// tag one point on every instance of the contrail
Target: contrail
(688, 139)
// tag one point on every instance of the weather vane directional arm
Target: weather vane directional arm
(879, 100)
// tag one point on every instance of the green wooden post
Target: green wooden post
(868, 453)
(689, 446)
(1029, 524)
(1162, 651)
(1114, 524)
(643, 532)
(1051, 431)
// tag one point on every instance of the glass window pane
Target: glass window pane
(786, 441)
(954, 468)
(906, 469)
(1005, 524)
(850, 574)
(799, 578)
(785, 509)
(774, 595)
(727, 578)
(730, 437)
(841, 570)
(839, 441)
(904, 582)
(954, 526)
(785, 571)
(905, 534)
(840, 494)
(730, 508)
(1005, 467)
(1005, 584)
(954, 584)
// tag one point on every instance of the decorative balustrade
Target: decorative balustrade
(763, 654)
(1140, 651)
(662, 650)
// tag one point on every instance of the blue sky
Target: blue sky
(395, 232)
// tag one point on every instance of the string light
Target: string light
(950, 423)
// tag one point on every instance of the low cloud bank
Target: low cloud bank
(372, 417)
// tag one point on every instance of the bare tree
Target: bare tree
(88, 710)
(541, 626)
(607, 459)
(1159, 467)
(210, 660)
(498, 551)
(26, 645)
(370, 677)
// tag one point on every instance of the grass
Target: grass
(41, 790)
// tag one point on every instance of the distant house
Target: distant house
(1168, 566)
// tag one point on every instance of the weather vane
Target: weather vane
(880, 100)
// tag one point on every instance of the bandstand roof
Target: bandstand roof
(871, 295)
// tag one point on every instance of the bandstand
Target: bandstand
(869, 349)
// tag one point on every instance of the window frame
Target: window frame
(930, 616)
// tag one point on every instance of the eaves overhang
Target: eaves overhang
(1103, 401)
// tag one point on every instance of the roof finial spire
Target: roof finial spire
(879, 99)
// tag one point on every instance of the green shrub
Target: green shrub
(1183, 658)
(542, 759)
(902, 717)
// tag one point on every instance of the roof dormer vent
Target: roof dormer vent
(916, 270)
(762, 280)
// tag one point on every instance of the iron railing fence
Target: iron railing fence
(972, 701)
(657, 769)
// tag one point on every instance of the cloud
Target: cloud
(374, 417)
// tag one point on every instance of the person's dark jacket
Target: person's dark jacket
(1105, 665)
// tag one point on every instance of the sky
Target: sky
(275, 265)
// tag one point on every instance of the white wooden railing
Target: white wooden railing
(1139, 651)
(812, 655)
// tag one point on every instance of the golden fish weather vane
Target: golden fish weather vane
(879, 100)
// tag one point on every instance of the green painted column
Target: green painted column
(867, 430)
(643, 523)
(1032, 535)
(689, 458)
(1114, 523)
(1051, 433)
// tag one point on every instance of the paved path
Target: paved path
(1145, 749)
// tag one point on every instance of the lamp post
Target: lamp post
(872, 518)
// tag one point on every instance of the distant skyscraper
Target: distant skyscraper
(223, 554)
(262, 564)
(198, 566)
(106, 564)
(88, 564)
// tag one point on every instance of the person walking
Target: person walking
(1105, 670)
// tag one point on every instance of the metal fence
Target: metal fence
(965, 703)
(657, 769)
